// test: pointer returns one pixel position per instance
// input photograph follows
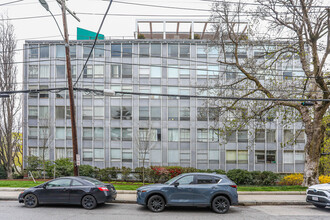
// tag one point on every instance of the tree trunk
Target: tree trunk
(315, 137)
(9, 173)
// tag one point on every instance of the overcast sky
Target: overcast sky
(114, 25)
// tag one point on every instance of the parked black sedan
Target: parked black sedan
(84, 191)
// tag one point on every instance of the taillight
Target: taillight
(234, 186)
(103, 188)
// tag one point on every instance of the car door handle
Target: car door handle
(65, 189)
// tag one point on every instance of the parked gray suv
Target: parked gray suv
(190, 189)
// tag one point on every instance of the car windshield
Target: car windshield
(94, 181)
(172, 180)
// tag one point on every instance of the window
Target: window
(242, 156)
(69, 153)
(288, 136)
(202, 113)
(60, 71)
(76, 183)
(156, 49)
(33, 50)
(60, 112)
(202, 135)
(184, 91)
(288, 156)
(126, 113)
(44, 71)
(60, 51)
(87, 155)
(73, 51)
(173, 134)
(214, 156)
(202, 71)
(33, 112)
(185, 50)
(115, 153)
(33, 132)
(60, 133)
(98, 133)
(173, 71)
(205, 180)
(144, 50)
(99, 50)
(144, 113)
(33, 71)
(127, 156)
(184, 135)
(59, 153)
(173, 114)
(88, 72)
(260, 156)
(186, 180)
(43, 112)
(33, 95)
(144, 71)
(44, 51)
(60, 95)
(184, 71)
(242, 136)
(299, 156)
(260, 136)
(87, 112)
(271, 136)
(213, 114)
(115, 50)
(287, 75)
(173, 156)
(115, 71)
(230, 156)
(155, 72)
(43, 132)
(201, 51)
(99, 71)
(172, 50)
(87, 133)
(68, 133)
(115, 112)
(127, 134)
(231, 136)
(98, 112)
(127, 50)
(59, 183)
(115, 134)
(99, 154)
(213, 135)
(300, 136)
(155, 113)
(184, 113)
(87, 49)
(127, 71)
(271, 156)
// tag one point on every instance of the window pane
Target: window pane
(115, 112)
(60, 71)
(98, 112)
(144, 50)
(87, 50)
(185, 135)
(155, 49)
(186, 180)
(127, 113)
(43, 112)
(271, 136)
(98, 133)
(87, 155)
(155, 72)
(155, 113)
(33, 112)
(44, 71)
(173, 50)
(33, 71)
(260, 156)
(127, 134)
(115, 50)
(201, 51)
(202, 114)
(242, 156)
(60, 133)
(173, 156)
(99, 71)
(98, 153)
(260, 136)
(230, 156)
(115, 153)
(115, 134)
(99, 50)
(288, 156)
(202, 135)
(44, 51)
(242, 136)
(173, 134)
(185, 51)
(87, 133)
(115, 71)
(87, 112)
(271, 156)
(144, 113)
(60, 51)
(185, 113)
(127, 71)
(127, 50)
(33, 50)
(173, 114)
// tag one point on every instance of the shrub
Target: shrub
(125, 171)
(33, 163)
(3, 173)
(240, 177)
(108, 174)
(324, 179)
(268, 178)
(292, 179)
(141, 36)
(256, 178)
(158, 174)
(87, 170)
(63, 167)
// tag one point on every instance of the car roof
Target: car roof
(206, 174)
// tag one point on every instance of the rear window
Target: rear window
(205, 180)
(92, 180)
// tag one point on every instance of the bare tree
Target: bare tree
(144, 143)
(280, 32)
(46, 139)
(9, 107)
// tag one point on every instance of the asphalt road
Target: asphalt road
(13, 210)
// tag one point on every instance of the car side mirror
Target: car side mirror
(176, 184)
(44, 186)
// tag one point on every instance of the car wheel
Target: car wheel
(319, 206)
(88, 202)
(30, 200)
(156, 203)
(220, 204)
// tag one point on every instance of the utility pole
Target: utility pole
(72, 108)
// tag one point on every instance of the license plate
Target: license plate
(315, 198)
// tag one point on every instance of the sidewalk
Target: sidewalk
(244, 198)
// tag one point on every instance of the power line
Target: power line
(97, 34)
(7, 3)
(168, 95)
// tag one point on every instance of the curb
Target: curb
(257, 203)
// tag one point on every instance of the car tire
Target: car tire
(156, 203)
(319, 206)
(30, 200)
(88, 202)
(220, 204)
